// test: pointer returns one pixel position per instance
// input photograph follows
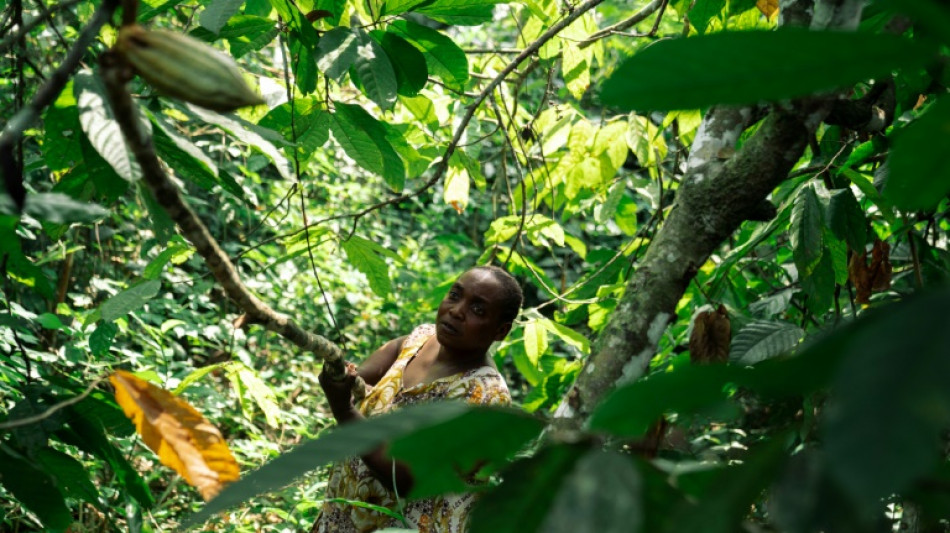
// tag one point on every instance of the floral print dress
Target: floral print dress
(352, 480)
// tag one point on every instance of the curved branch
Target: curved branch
(633, 20)
(167, 195)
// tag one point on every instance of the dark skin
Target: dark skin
(469, 320)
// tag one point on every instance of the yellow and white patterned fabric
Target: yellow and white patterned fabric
(352, 480)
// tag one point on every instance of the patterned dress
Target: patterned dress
(352, 480)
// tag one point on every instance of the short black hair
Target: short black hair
(513, 297)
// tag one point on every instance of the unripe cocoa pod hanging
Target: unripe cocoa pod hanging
(182, 67)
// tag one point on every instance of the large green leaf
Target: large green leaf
(129, 300)
(375, 71)
(337, 51)
(819, 284)
(437, 469)
(344, 441)
(61, 147)
(602, 494)
(364, 139)
(703, 11)
(182, 156)
(100, 126)
(71, 477)
(919, 170)
(61, 209)
(846, 219)
(308, 126)
(216, 14)
(407, 61)
(248, 33)
(458, 12)
(530, 486)
(445, 59)
(367, 257)
(895, 372)
(763, 340)
(806, 231)
(34, 488)
(255, 136)
(749, 67)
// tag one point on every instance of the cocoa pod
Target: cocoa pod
(182, 67)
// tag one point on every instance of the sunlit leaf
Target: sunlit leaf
(100, 126)
(762, 340)
(177, 433)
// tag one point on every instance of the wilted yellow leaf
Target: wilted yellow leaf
(768, 7)
(173, 429)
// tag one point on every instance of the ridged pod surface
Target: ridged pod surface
(182, 67)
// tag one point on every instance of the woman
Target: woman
(445, 360)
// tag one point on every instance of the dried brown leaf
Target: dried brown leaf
(176, 431)
(769, 8)
(709, 342)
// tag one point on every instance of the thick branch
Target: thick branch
(722, 189)
(167, 195)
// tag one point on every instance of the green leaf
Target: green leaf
(129, 300)
(444, 58)
(183, 157)
(100, 126)
(535, 341)
(309, 123)
(248, 33)
(375, 71)
(365, 256)
(458, 12)
(337, 51)
(530, 486)
(819, 285)
(703, 11)
(602, 494)
(436, 469)
(70, 475)
(895, 369)
(58, 208)
(761, 340)
(752, 66)
(216, 14)
(395, 7)
(567, 335)
(255, 136)
(302, 29)
(176, 253)
(61, 147)
(363, 138)
(407, 61)
(846, 219)
(263, 395)
(344, 441)
(919, 173)
(303, 64)
(34, 488)
(805, 232)
(101, 339)
(86, 432)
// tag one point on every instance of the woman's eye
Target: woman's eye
(478, 310)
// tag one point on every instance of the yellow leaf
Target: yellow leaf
(768, 7)
(173, 429)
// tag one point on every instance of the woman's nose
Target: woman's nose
(456, 311)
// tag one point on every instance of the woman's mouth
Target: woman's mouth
(448, 328)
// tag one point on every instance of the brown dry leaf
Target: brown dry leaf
(173, 429)
(769, 8)
(709, 342)
(874, 278)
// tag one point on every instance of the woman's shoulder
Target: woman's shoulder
(418, 336)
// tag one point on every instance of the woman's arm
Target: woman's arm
(339, 394)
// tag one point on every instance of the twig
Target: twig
(45, 96)
(30, 25)
(19, 422)
(115, 74)
(633, 20)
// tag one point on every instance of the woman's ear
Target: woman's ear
(503, 331)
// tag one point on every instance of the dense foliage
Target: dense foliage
(799, 380)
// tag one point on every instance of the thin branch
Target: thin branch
(166, 193)
(31, 24)
(633, 20)
(45, 96)
(19, 422)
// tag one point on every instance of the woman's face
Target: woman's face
(469, 318)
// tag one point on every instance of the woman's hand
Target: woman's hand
(339, 393)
